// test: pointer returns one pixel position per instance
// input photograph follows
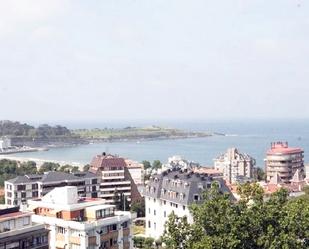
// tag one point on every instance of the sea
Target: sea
(248, 136)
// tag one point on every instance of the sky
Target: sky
(75, 60)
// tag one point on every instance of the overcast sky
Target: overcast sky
(157, 59)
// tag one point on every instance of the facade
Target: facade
(80, 223)
(284, 161)
(18, 231)
(179, 162)
(307, 171)
(235, 166)
(5, 143)
(28, 187)
(173, 191)
(136, 170)
(114, 178)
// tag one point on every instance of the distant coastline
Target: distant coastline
(45, 136)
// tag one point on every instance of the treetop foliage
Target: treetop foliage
(253, 222)
(10, 128)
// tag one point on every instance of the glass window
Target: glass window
(26, 221)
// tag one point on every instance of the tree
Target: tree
(121, 201)
(86, 167)
(27, 168)
(253, 222)
(146, 164)
(260, 174)
(138, 241)
(156, 164)
(148, 243)
(48, 166)
(178, 233)
(139, 208)
(158, 242)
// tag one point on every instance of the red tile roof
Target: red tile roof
(104, 161)
(282, 148)
(12, 215)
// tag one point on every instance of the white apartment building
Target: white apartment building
(173, 191)
(307, 172)
(5, 143)
(235, 165)
(22, 188)
(179, 162)
(81, 223)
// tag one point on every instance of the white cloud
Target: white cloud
(15, 14)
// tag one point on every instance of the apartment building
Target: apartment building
(22, 188)
(235, 166)
(173, 191)
(136, 171)
(284, 161)
(177, 161)
(80, 223)
(114, 177)
(5, 143)
(18, 231)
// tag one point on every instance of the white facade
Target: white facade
(234, 165)
(136, 171)
(32, 187)
(307, 171)
(112, 181)
(157, 212)
(136, 174)
(5, 143)
(73, 233)
(179, 162)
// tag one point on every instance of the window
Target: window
(196, 197)
(154, 212)
(149, 224)
(164, 213)
(125, 224)
(94, 181)
(26, 221)
(35, 194)
(21, 187)
(149, 210)
(184, 207)
(35, 186)
(114, 227)
(23, 195)
(155, 225)
(61, 230)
